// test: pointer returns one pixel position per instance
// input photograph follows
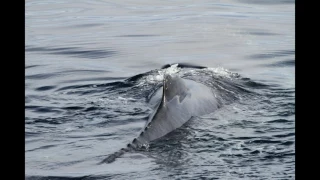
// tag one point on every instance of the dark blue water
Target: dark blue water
(92, 66)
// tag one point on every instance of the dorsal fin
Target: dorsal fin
(173, 86)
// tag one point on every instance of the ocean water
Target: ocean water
(92, 66)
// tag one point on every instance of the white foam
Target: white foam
(155, 78)
(69, 129)
(173, 69)
(126, 99)
(221, 71)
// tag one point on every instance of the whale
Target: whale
(176, 102)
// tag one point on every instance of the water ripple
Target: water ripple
(74, 52)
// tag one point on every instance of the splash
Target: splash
(156, 76)
(220, 71)
(173, 69)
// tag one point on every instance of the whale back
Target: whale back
(181, 100)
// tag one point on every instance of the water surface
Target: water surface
(92, 65)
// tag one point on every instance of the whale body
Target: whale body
(181, 100)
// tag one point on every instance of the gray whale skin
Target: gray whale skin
(181, 100)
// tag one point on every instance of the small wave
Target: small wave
(261, 141)
(45, 88)
(284, 135)
(74, 52)
(42, 147)
(278, 121)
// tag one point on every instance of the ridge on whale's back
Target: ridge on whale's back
(181, 100)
